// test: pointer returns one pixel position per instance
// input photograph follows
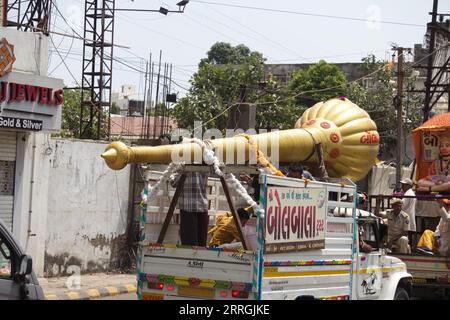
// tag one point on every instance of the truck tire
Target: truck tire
(401, 294)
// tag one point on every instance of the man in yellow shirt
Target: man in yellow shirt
(225, 230)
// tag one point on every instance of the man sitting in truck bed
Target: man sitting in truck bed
(398, 227)
(443, 229)
(226, 230)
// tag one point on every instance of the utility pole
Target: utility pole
(155, 118)
(242, 115)
(398, 103)
(427, 107)
(144, 111)
(438, 64)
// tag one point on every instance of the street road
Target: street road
(128, 296)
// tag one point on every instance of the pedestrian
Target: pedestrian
(398, 227)
(193, 205)
(409, 204)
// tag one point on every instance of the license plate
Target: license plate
(196, 292)
(148, 296)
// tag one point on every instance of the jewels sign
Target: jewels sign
(32, 102)
(295, 219)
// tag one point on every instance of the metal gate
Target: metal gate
(8, 142)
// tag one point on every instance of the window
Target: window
(368, 231)
(5, 261)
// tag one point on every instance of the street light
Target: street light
(181, 5)
(164, 11)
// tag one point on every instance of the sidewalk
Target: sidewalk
(86, 287)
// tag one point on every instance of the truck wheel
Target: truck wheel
(401, 294)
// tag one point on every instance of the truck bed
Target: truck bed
(181, 272)
(427, 269)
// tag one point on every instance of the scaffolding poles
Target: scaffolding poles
(95, 111)
(32, 15)
(437, 81)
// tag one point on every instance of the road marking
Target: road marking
(130, 287)
(93, 293)
(112, 291)
(73, 295)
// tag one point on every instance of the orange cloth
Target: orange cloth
(225, 230)
(426, 241)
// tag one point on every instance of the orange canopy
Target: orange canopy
(426, 142)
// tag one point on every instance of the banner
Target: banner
(295, 219)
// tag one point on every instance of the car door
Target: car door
(9, 289)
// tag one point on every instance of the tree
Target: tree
(70, 119)
(320, 82)
(217, 85)
(115, 109)
(158, 110)
(376, 97)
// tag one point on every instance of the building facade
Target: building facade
(30, 110)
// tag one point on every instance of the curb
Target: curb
(94, 293)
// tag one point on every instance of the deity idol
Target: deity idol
(438, 179)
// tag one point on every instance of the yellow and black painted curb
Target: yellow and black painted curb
(95, 293)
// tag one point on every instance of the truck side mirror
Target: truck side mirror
(26, 265)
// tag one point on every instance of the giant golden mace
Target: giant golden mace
(348, 136)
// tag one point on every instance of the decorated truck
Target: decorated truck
(305, 249)
(303, 242)
(429, 266)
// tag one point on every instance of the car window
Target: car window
(367, 231)
(5, 261)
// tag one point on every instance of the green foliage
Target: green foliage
(377, 96)
(70, 119)
(314, 82)
(277, 109)
(217, 85)
(115, 109)
(158, 111)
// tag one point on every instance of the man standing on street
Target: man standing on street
(193, 205)
(409, 204)
(398, 227)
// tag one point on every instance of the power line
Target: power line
(321, 90)
(64, 62)
(258, 33)
(306, 13)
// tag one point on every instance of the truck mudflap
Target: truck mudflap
(182, 272)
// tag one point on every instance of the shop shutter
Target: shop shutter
(8, 142)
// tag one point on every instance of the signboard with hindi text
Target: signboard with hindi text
(295, 219)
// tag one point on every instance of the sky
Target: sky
(305, 36)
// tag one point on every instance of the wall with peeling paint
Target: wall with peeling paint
(87, 208)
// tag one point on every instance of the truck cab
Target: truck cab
(17, 279)
(378, 275)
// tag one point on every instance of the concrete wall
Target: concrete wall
(24, 44)
(87, 208)
(72, 210)
(30, 201)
